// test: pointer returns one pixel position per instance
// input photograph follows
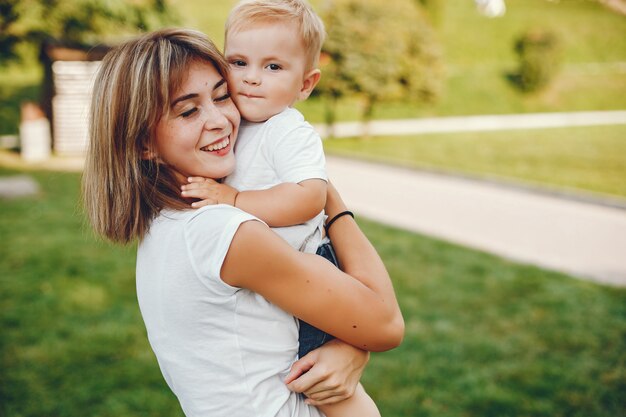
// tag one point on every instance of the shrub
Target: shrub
(539, 59)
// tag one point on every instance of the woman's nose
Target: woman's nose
(214, 119)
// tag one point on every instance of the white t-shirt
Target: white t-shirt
(224, 351)
(285, 148)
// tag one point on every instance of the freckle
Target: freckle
(354, 327)
(307, 281)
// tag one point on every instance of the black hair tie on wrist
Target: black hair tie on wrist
(330, 223)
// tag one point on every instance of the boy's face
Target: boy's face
(267, 69)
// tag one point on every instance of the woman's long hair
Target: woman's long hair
(122, 189)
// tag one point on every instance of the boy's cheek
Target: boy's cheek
(235, 99)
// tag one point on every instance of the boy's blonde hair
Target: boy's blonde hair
(122, 190)
(250, 12)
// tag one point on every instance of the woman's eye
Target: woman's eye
(222, 98)
(273, 67)
(189, 112)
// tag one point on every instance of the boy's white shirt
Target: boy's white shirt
(283, 149)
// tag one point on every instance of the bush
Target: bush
(539, 55)
(434, 9)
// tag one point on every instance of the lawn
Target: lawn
(484, 336)
(590, 159)
(478, 56)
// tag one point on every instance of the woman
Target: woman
(215, 285)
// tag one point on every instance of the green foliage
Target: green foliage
(484, 337)
(8, 40)
(380, 50)
(539, 56)
(434, 9)
(77, 21)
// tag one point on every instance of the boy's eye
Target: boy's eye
(189, 112)
(238, 63)
(274, 67)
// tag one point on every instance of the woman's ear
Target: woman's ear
(148, 154)
(308, 84)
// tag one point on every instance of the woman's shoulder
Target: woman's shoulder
(211, 220)
(216, 216)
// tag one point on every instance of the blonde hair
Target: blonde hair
(123, 191)
(311, 27)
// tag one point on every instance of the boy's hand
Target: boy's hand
(209, 192)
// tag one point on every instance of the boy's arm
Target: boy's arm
(284, 204)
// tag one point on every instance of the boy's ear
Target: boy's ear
(308, 84)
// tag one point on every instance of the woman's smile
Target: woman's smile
(218, 146)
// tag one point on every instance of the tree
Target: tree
(380, 50)
(75, 22)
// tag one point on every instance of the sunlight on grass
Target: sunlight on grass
(87, 297)
(591, 159)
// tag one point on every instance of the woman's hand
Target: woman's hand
(208, 191)
(328, 374)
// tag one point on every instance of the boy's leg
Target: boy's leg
(310, 337)
(359, 405)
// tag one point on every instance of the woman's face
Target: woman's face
(197, 136)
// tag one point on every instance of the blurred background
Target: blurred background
(486, 336)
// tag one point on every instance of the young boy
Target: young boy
(273, 47)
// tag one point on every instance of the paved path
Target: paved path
(479, 123)
(579, 238)
(575, 237)
(17, 186)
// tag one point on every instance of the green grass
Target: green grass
(478, 56)
(484, 337)
(588, 31)
(73, 343)
(584, 158)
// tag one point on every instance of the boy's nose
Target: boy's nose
(251, 77)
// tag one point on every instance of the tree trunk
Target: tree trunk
(368, 110)
(330, 116)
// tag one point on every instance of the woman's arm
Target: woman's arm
(358, 306)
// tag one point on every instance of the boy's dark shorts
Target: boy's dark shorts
(311, 337)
